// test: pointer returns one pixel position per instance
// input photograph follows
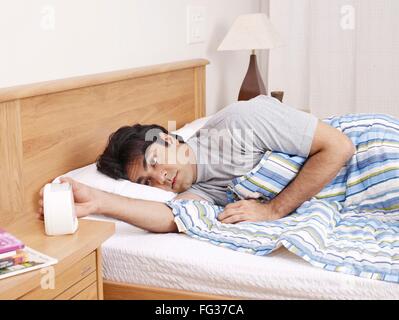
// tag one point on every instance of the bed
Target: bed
(48, 129)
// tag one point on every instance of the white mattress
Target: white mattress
(177, 261)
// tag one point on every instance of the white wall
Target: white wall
(92, 36)
(340, 56)
(288, 65)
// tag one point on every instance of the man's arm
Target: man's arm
(330, 150)
(149, 215)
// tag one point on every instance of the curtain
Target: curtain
(339, 56)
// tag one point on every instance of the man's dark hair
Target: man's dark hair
(125, 146)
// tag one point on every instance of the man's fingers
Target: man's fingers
(231, 216)
(233, 205)
(235, 219)
(225, 214)
(75, 185)
(39, 215)
(41, 192)
(66, 179)
(40, 211)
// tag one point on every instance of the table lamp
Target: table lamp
(251, 32)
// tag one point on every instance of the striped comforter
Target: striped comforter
(351, 226)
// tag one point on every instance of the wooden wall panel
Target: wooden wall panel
(200, 92)
(11, 186)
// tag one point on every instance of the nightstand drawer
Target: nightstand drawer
(90, 293)
(67, 279)
(78, 287)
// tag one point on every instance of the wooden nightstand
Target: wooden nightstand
(78, 273)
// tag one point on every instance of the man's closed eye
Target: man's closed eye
(143, 180)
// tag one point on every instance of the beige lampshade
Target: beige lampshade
(250, 32)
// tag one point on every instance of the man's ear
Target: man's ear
(169, 139)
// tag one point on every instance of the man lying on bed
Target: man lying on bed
(196, 170)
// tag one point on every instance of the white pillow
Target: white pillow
(189, 129)
(90, 176)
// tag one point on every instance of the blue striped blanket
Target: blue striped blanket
(351, 226)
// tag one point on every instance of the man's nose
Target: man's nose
(162, 176)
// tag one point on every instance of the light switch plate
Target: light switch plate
(196, 24)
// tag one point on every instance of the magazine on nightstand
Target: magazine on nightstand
(34, 260)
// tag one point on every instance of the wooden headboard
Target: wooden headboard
(50, 128)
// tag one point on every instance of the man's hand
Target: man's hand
(246, 211)
(149, 215)
(86, 198)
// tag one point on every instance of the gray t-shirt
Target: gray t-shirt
(236, 138)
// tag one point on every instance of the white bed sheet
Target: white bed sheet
(177, 261)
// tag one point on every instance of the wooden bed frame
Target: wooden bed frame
(49, 128)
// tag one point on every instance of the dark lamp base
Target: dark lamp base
(252, 85)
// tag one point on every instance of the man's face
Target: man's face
(164, 167)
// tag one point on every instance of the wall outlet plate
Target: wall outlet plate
(196, 24)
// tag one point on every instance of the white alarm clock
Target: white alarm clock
(59, 209)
